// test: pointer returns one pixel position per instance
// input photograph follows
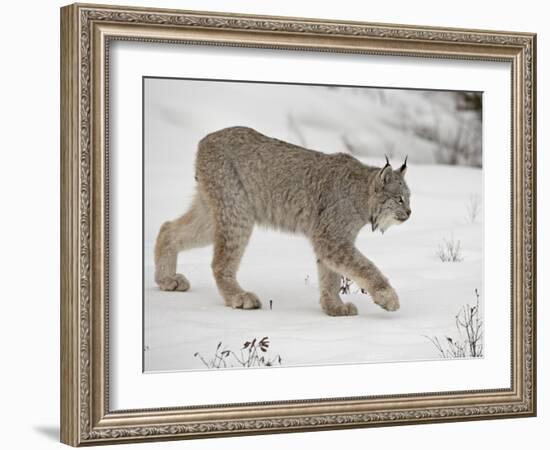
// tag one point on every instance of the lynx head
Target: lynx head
(390, 197)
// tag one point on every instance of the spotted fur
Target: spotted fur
(246, 178)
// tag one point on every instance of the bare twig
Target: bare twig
(252, 354)
(473, 208)
(345, 285)
(449, 251)
(469, 342)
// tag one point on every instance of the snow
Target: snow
(281, 267)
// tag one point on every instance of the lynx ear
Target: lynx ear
(385, 171)
(403, 168)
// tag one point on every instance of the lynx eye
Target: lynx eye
(401, 200)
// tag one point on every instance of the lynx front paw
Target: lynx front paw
(174, 283)
(386, 298)
(244, 300)
(340, 309)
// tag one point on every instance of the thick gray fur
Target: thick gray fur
(245, 178)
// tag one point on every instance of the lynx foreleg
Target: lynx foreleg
(193, 229)
(344, 258)
(329, 286)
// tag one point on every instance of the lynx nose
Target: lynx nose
(408, 212)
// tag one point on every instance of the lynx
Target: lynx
(246, 178)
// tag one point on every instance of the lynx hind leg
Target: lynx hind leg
(329, 286)
(193, 229)
(230, 240)
(233, 219)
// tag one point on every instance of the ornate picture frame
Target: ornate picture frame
(87, 32)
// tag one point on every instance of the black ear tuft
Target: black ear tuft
(403, 168)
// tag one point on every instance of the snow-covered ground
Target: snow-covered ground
(281, 267)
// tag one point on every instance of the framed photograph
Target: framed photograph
(275, 224)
